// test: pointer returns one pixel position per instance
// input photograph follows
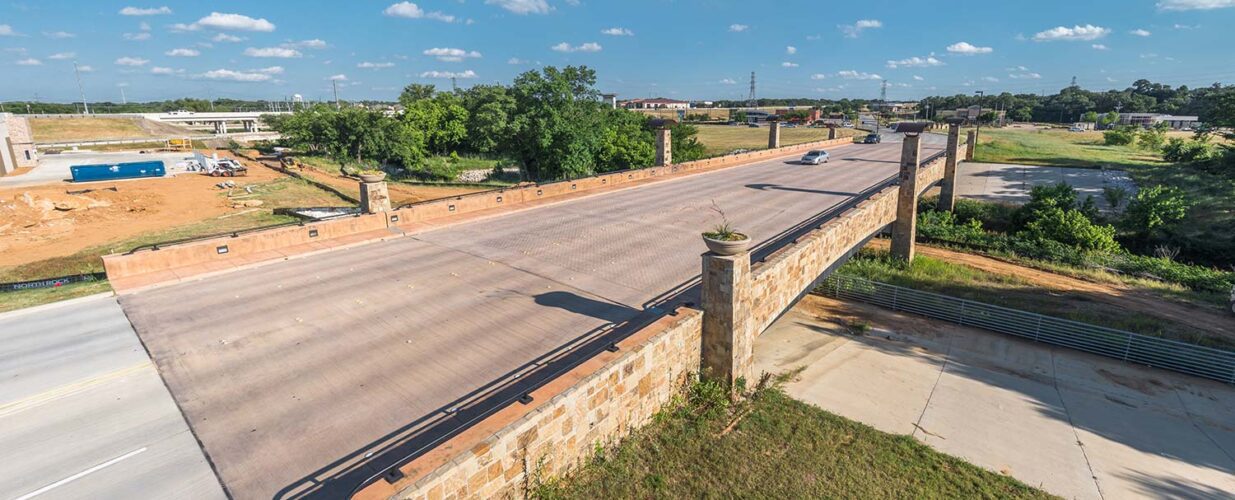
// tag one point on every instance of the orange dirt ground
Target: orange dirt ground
(399, 193)
(42, 222)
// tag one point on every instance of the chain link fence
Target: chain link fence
(1215, 364)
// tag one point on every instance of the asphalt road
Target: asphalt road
(294, 372)
(83, 413)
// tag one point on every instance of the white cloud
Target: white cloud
(1075, 33)
(85, 68)
(1025, 76)
(132, 61)
(144, 26)
(337, 78)
(62, 55)
(235, 76)
(315, 43)
(788, 64)
(522, 6)
(738, 28)
(515, 60)
(1140, 32)
(857, 75)
(234, 22)
(373, 65)
(160, 70)
(856, 29)
(728, 81)
(6, 30)
(278, 52)
(58, 34)
(151, 11)
(1098, 46)
(818, 76)
(448, 74)
(1195, 4)
(791, 50)
(587, 47)
(447, 54)
(918, 78)
(182, 53)
(136, 37)
(968, 49)
(1018, 68)
(224, 37)
(412, 11)
(915, 62)
(29, 62)
(615, 31)
(1186, 26)
(270, 70)
(990, 79)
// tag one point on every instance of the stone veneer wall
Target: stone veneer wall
(786, 275)
(590, 405)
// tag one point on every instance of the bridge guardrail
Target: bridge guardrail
(1190, 359)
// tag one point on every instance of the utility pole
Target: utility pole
(454, 85)
(123, 99)
(750, 99)
(77, 73)
(335, 85)
(978, 129)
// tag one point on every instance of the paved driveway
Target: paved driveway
(1012, 183)
(1076, 425)
(293, 373)
(83, 413)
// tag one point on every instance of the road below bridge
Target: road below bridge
(296, 373)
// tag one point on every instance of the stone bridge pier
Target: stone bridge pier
(741, 299)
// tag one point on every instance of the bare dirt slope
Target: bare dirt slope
(1196, 316)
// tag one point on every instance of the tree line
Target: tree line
(551, 123)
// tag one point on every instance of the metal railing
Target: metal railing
(1200, 361)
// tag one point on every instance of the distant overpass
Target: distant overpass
(249, 120)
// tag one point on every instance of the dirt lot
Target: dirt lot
(38, 223)
(399, 193)
(88, 129)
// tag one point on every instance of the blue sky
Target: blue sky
(686, 49)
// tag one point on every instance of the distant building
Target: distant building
(16, 144)
(972, 113)
(1152, 119)
(898, 109)
(610, 99)
(654, 103)
(812, 116)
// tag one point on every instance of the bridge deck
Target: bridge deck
(292, 372)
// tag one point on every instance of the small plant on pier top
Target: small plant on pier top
(723, 231)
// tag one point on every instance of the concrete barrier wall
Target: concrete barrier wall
(204, 256)
(598, 402)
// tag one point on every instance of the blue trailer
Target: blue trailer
(111, 172)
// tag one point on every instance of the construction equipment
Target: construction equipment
(217, 167)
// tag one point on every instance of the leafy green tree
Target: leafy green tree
(1090, 116)
(558, 122)
(627, 142)
(1072, 228)
(1119, 136)
(1152, 138)
(1022, 114)
(686, 145)
(1155, 209)
(490, 109)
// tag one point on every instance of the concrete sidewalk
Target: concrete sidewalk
(1075, 425)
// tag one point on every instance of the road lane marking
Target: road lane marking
(80, 475)
(67, 390)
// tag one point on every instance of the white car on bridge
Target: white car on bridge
(814, 157)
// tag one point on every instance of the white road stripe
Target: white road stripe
(80, 475)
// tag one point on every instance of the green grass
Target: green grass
(958, 280)
(1058, 148)
(721, 139)
(780, 448)
(10, 301)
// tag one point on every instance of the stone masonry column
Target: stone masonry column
(773, 134)
(728, 349)
(664, 147)
(831, 133)
(972, 145)
(374, 197)
(947, 191)
(905, 228)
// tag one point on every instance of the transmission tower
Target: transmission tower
(883, 91)
(1073, 82)
(750, 99)
(454, 85)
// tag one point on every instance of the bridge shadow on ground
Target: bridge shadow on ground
(1161, 414)
(778, 187)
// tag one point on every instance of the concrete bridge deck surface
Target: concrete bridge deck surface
(291, 373)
